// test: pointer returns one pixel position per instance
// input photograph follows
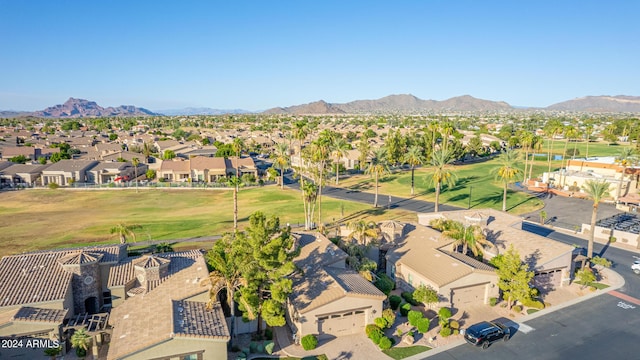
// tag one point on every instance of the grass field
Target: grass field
(41, 219)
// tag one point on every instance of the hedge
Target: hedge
(394, 301)
(385, 343)
(404, 309)
(408, 297)
(385, 284)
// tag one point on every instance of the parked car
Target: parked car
(636, 265)
(486, 333)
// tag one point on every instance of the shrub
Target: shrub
(445, 331)
(404, 309)
(454, 324)
(423, 325)
(385, 284)
(253, 347)
(414, 316)
(385, 343)
(408, 297)
(309, 342)
(322, 357)
(268, 347)
(517, 308)
(381, 322)
(400, 332)
(53, 186)
(456, 331)
(612, 239)
(394, 301)
(390, 316)
(493, 301)
(533, 304)
(376, 336)
(268, 334)
(235, 348)
(369, 329)
(444, 313)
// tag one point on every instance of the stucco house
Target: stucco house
(66, 172)
(328, 299)
(146, 307)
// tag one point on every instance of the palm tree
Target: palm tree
(362, 231)
(147, 150)
(552, 128)
(80, 340)
(625, 158)
(442, 173)
(538, 143)
(123, 230)
(309, 197)
(588, 131)
(282, 160)
(364, 148)
(526, 139)
(227, 273)
(413, 157)
(596, 190)
(235, 182)
(470, 237)
(319, 156)
(135, 162)
(377, 167)
(339, 148)
(300, 132)
(506, 171)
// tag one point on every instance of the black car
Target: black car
(486, 333)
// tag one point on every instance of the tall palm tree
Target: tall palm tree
(282, 160)
(596, 190)
(506, 172)
(365, 149)
(309, 197)
(123, 230)
(442, 172)
(80, 340)
(362, 231)
(147, 150)
(135, 162)
(552, 128)
(320, 151)
(538, 143)
(377, 167)
(339, 148)
(588, 132)
(526, 139)
(300, 132)
(625, 158)
(235, 182)
(414, 157)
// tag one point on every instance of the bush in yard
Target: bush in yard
(381, 322)
(517, 308)
(268, 348)
(414, 316)
(309, 342)
(408, 297)
(454, 324)
(322, 357)
(376, 336)
(385, 343)
(268, 334)
(445, 331)
(533, 304)
(385, 284)
(390, 316)
(404, 309)
(493, 301)
(444, 313)
(422, 325)
(369, 329)
(394, 301)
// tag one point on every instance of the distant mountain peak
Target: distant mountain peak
(78, 108)
(602, 103)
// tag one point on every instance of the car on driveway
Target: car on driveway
(486, 333)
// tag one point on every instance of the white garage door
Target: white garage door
(470, 295)
(548, 280)
(345, 323)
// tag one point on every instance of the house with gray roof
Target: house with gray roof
(21, 174)
(328, 299)
(67, 172)
(107, 172)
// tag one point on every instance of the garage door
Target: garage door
(548, 280)
(345, 323)
(470, 295)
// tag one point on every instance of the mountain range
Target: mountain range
(403, 104)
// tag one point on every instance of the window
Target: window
(320, 318)
(335, 316)
(359, 312)
(348, 314)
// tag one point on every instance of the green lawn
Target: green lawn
(43, 219)
(404, 352)
(595, 149)
(596, 285)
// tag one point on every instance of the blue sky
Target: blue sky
(255, 55)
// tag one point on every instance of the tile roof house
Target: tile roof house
(208, 169)
(328, 299)
(21, 174)
(158, 303)
(31, 153)
(426, 258)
